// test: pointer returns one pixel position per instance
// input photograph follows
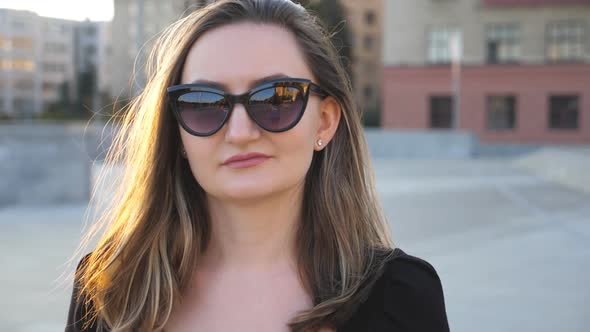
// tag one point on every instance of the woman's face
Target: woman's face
(235, 56)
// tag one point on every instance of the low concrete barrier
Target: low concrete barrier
(48, 163)
(429, 144)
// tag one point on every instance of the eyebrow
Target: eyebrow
(252, 84)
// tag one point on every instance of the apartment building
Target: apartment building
(511, 71)
(20, 54)
(40, 58)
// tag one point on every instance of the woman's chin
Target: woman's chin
(245, 194)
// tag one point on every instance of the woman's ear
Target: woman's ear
(329, 118)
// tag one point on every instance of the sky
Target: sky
(79, 10)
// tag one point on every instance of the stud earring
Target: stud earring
(183, 152)
(320, 143)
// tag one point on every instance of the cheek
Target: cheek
(199, 164)
(296, 148)
(200, 153)
(296, 153)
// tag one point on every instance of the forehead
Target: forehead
(237, 55)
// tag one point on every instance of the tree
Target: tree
(62, 107)
(86, 86)
(333, 16)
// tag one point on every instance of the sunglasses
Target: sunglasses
(276, 105)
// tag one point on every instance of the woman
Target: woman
(248, 202)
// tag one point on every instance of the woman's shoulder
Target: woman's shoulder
(411, 270)
(407, 296)
(79, 306)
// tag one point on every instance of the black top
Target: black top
(407, 297)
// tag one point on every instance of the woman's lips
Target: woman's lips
(243, 160)
(250, 162)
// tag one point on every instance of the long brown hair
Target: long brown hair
(157, 224)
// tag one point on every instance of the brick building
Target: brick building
(511, 71)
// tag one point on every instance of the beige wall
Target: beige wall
(366, 66)
(407, 24)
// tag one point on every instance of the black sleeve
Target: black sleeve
(78, 306)
(413, 296)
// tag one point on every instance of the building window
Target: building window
(503, 43)
(90, 50)
(368, 91)
(563, 112)
(23, 65)
(50, 67)
(4, 42)
(22, 43)
(24, 85)
(439, 44)
(48, 87)
(370, 69)
(501, 112)
(565, 41)
(55, 48)
(5, 64)
(441, 112)
(18, 25)
(90, 31)
(369, 41)
(370, 17)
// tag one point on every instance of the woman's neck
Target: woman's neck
(253, 235)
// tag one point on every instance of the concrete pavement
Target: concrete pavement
(511, 248)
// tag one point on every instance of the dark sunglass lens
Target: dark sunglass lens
(276, 108)
(202, 112)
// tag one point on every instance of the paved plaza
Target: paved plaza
(512, 249)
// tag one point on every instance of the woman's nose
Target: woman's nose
(240, 127)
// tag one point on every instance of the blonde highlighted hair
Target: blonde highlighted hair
(157, 225)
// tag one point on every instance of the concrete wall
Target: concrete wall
(48, 164)
(412, 144)
(52, 163)
(58, 163)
